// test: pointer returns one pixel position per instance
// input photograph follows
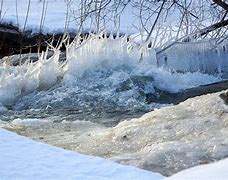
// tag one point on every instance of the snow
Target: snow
(165, 31)
(22, 158)
(54, 21)
(216, 170)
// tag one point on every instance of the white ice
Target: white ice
(16, 81)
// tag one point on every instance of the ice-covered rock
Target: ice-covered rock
(166, 140)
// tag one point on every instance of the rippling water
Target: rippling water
(104, 94)
(104, 81)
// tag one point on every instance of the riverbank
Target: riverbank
(166, 140)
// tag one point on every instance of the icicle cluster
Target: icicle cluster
(16, 81)
(97, 52)
(203, 56)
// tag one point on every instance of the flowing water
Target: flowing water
(104, 81)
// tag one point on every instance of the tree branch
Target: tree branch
(221, 3)
(213, 27)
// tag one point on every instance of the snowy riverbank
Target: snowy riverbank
(166, 140)
(23, 158)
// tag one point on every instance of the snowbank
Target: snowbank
(22, 158)
(214, 171)
(166, 140)
(54, 20)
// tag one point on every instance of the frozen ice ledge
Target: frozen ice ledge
(208, 56)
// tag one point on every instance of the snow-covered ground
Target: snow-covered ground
(22, 158)
(54, 21)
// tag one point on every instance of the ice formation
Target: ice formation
(99, 72)
(16, 81)
(206, 56)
